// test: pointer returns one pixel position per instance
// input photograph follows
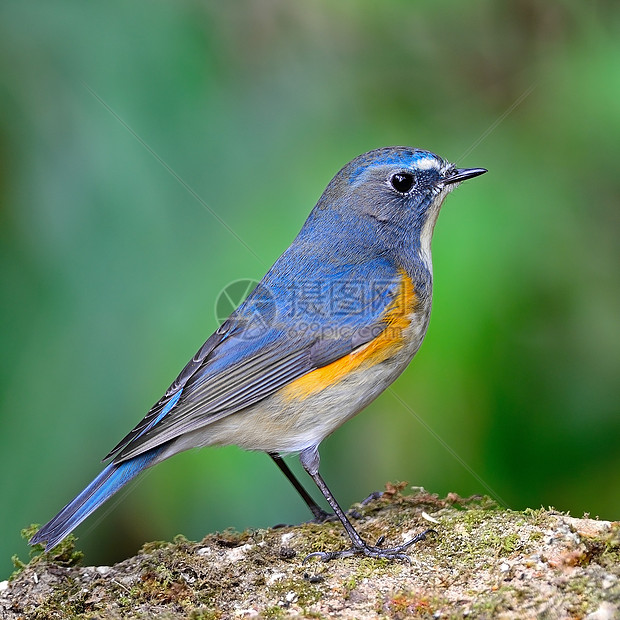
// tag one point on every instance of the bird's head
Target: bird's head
(398, 185)
(395, 192)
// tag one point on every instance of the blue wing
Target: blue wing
(286, 328)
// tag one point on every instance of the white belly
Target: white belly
(281, 425)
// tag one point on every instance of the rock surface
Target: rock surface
(483, 562)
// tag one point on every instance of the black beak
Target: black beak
(463, 174)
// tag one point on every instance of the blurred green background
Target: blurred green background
(110, 267)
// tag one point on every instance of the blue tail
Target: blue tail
(108, 482)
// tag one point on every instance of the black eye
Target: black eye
(402, 182)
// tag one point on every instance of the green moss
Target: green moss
(205, 614)
(63, 554)
(538, 517)
(509, 544)
(305, 593)
(494, 603)
(149, 547)
(476, 502)
(605, 548)
(322, 537)
(274, 612)
(578, 585)
(228, 538)
(349, 584)
(611, 544)
(181, 580)
(473, 518)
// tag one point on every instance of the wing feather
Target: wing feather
(232, 371)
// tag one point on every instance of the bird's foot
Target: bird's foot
(393, 553)
(321, 516)
(372, 497)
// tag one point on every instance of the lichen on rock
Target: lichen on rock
(484, 561)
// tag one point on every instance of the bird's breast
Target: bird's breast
(311, 407)
(405, 320)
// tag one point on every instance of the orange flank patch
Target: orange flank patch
(397, 318)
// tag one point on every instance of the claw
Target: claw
(394, 553)
(373, 496)
(326, 556)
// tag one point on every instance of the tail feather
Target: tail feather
(108, 482)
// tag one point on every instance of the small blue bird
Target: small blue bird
(334, 322)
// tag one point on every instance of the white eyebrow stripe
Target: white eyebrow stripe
(426, 163)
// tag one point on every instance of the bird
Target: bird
(332, 324)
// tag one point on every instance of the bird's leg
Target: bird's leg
(310, 460)
(319, 514)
